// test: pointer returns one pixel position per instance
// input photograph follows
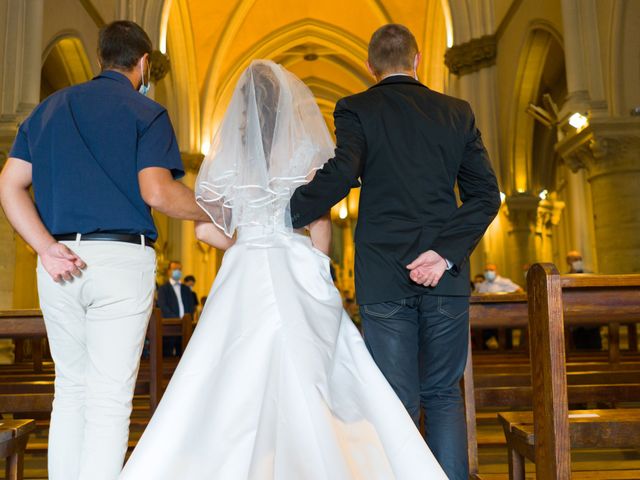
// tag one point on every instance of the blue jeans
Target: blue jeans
(420, 344)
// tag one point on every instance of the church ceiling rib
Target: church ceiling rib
(350, 48)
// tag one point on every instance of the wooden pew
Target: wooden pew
(504, 380)
(546, 436)
(14, 435)
(179, 327)
(23, 390)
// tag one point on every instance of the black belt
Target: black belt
(105, 237)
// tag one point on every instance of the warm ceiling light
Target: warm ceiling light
(343, 212)
(578, 121)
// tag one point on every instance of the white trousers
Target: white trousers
(96, 326)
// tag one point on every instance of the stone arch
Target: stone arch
(349, 48)
(64, 63)
(540, 39)
(232, 28)
(624, 58)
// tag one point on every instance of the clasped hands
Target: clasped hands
(427, 269)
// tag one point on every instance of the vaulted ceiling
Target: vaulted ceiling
(322, 42)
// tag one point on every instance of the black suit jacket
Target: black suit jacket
(409, 146)
(168, 301)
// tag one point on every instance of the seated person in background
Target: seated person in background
(587, 338)
(574, 260)
(174, 300)
(477, 280)
(494, 283)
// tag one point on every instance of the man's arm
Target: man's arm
(161, 192)
(480, 203)
(57, 259)
(339, 175)
(480, 198)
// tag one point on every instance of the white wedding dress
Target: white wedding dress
(276, 382)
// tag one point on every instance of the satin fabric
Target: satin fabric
(276, 383)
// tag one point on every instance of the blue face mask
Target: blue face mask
(490, 275)
(144, 88)
(176, 275)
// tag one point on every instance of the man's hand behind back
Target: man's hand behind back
(427, 269)
(61, 262)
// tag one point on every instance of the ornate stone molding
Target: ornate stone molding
(522, 212)
(471, 56)
(160, 66)
(606, 145)
(549, 213)
(192, 161)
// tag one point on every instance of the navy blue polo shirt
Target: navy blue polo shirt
(86, 144)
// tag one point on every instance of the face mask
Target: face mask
(577, 266)
(176, 275)
(490, 275)
(144, 88)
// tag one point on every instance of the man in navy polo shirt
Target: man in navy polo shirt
(99, 155)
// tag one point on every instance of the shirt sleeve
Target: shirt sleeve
(158, 147)
(20, 147)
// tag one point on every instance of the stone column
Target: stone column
(522, 212)
(199, 259)
(474, 79)
(20, 64)
(609, 150)
(548, 217)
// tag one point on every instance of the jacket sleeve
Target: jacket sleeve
(339, 175)
(187, 299)
(480, 198)
(163, 302)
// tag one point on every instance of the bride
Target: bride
(276, 382)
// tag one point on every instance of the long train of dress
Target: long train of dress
(276, 383)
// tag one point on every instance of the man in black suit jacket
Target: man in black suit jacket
(172, 307)
(409, 146)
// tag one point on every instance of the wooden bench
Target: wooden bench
(179, 327)
(25, 390)
(546, 436)
(14, 435)
(503, 380)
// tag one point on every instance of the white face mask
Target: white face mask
(144, 87)
(577, 266)
(490, 275)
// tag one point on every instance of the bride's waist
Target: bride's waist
(266, 235)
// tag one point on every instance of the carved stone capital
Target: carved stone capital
(471, 56)
(607, 145)
(549, 213)
(192, 161)
(522, 212)
(160, 66)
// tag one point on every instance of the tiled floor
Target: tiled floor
(492, 457)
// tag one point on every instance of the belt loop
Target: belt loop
(142, 242)
(78, 237)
